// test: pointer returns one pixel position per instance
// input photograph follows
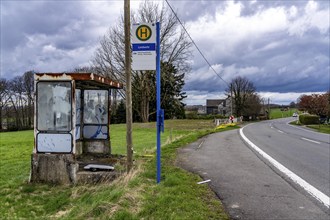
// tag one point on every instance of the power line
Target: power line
(196, 44)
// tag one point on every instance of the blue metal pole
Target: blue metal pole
(159, 121)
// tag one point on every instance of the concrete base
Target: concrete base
(53, 168)
(85, 177)
(96, 147)
(67, 169)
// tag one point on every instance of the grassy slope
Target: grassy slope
(133, 196)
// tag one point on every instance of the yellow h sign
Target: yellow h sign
(143, 33)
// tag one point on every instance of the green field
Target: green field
(277, 113)
(132, 196)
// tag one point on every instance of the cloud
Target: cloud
(283, 98)
(53, 36)
(196, 97)
(312, 18)
(281, 46)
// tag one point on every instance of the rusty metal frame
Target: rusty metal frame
(83, 80)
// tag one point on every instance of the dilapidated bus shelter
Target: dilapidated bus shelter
(72, 118)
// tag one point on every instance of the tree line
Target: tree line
(17, 102)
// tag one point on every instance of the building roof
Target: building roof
(83, 80)
(213, 102)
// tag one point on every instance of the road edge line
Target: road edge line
(315, 193)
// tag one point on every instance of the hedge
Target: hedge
(194, 115)
(309, 119)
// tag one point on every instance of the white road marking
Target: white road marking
(205, 181)
(318, 195)
(280, 131)
(306, 139)
(199, 146)
(271, 125)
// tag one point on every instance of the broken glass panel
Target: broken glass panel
(78, 113)
(54, 106)
(96, 107)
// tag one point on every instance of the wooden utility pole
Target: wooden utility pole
(231, 101)
(268, 108)
(129, 141)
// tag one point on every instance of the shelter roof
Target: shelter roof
(82, 80)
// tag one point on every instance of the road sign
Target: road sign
(144, 46)
(146, 56)
(143, 32)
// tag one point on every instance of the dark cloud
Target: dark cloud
(51, 35)
(193, 10)
(282, 46)
(34, 17)
(280, 60)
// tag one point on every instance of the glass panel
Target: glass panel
(60, 143)
(78, 113)
(54, 106)
(95, 132)
(78, 106)
(77, 134)
(96, 107)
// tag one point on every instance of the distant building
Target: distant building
(218, 106)
(212, 106)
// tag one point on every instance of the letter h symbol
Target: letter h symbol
(144, 31)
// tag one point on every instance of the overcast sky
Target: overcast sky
(281, 46)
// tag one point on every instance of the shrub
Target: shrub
(309, 119)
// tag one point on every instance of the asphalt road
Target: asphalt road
(304, 152)
(248, 187)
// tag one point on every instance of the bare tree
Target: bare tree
(28, 89)
(175, 49)
(243, 91)
(18, 101)
(4, 99)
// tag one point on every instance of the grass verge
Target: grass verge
(132, 196)
(323, 128)
(320, 128)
